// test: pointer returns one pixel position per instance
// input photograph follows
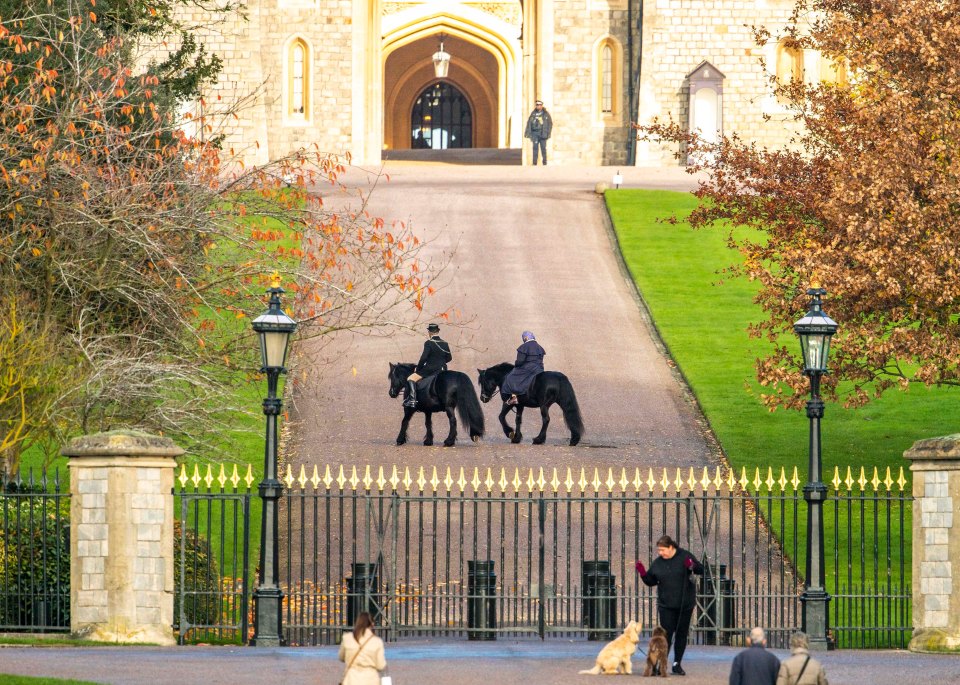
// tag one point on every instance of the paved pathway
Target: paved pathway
(504, 662)
(531, 249)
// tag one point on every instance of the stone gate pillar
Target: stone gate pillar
(121, 537)
(936, 543)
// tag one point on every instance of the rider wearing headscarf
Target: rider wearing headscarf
(529, 363)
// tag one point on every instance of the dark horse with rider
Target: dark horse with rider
(429, 388)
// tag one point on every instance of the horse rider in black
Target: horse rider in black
(436, 354)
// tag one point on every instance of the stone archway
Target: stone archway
(485, 68)
(409, 71)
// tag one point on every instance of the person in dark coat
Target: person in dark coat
(433, 359)
(672, 572)
(539, 128)
(529, 363)
(755, 665)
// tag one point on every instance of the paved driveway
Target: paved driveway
(529, 248)
(554, 662)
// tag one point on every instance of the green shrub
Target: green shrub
(199, 579)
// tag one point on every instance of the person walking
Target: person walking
(672, 572)
(362, 652)
(529, 363)
(755, 665)
(539, 128)
(433, 359)
(800, 668)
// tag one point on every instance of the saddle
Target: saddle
(425, 388)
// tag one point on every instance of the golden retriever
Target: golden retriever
(615, 657)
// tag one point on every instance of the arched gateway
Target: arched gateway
(483, 80)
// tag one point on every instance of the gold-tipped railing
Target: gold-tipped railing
(663, 481)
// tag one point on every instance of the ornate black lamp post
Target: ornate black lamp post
(274, 328)
(815, 330)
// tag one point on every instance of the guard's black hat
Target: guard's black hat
(433, 328)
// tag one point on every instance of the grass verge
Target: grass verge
(702, 319)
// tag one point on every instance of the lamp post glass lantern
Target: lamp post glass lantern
(274, 329)
(441, 61)
(815, 330)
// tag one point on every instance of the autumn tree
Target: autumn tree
(132, 253)
(864, 202)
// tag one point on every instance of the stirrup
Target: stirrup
(513, 401)
(410, 402)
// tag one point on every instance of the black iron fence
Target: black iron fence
(504, 554)
(488, 554)
(34, 554)
(212, 541)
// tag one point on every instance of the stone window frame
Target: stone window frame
(290, 114)
(789, 64)
(611, 117)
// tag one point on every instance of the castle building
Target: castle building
(390, 77)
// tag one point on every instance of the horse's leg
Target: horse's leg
(452, 437)
(428, 422)
(545, 421)
(507, 429)
(407, 415)
(517, 435)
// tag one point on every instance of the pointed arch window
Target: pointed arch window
(789, 64)
(298, 79)
(607, 75)
(606, 80)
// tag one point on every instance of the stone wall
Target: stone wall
(580, 134)
(680, 34)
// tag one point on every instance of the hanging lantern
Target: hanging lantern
(441, 61)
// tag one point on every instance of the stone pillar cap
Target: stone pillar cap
(944, 447)
(121, 443)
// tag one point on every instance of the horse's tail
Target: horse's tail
(468, 406)
(571, 409)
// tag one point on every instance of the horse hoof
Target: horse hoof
(574, 442)
(475, 438)
(510, 434)
(539, 441)
(516, 439)
(448, 443)
(428, 443)
(400, 442)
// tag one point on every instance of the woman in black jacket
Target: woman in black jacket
(672, 573)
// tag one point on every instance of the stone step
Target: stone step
(484, 155)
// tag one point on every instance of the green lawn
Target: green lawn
(703, 323)
(702, 318)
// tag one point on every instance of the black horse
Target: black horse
(548, 388)
(451, 391)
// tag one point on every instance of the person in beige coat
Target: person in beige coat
(362, 652)
(800, 668)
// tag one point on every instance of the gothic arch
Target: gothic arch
(497, 97)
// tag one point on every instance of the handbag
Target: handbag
(359, 649)
(385, 679)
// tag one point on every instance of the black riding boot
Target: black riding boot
(411, 399)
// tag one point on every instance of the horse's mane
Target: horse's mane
(405, 366)
(502, 368)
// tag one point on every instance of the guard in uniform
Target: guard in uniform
(436, 354)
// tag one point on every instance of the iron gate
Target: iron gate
(510, 555)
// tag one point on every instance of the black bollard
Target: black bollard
(599, 600)
(357, 600)
(481, 600)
